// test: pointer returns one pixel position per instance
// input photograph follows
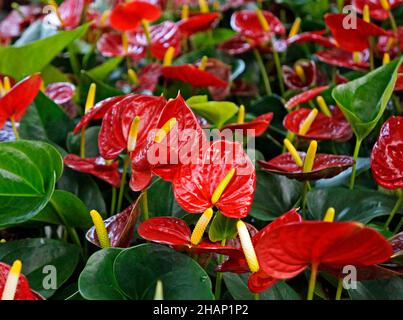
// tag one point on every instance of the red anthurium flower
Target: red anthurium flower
(189, 73)
(237, 45)
(386, 156)
(110, 45)
(341, 58)
(325, 166)
(375, 8)
(60, 92)
(312, 37)
(258, 281)
(355, 39)
(323, 127)
(70, 12)
(128, 15)
(15, 22)
(198, 23)
(302, 76)
(243, 88)
(15, 103)
(304, 97)
(246, 22)
(175, 232)
(254, 128)
(23, 292)
(222, 71)
(118, 119)
(95, 166)
(196, 182)
(391, 43)
(119, 227)
(149, 77)
(283, 255)
(97, 112)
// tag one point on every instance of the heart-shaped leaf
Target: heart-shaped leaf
(28, 59)
(350, 205)
(40, 257)
(364, 100)
(222, 228)
(390, 289)
(28, 173)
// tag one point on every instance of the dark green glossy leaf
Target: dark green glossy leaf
(28, 59)
(38, 256)
(103, 91)
(51, 74)
(238, 287)
(274, 195)
(97, 281)
(45, 120)
(222, 228)
(390, 289)
(364, 100)
(28, 173)
(350, 205)
(91, 142)
(138, 269)
(66, 209)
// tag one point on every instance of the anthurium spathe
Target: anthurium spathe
(97, 167)
(304, 97)
(386, 164)
(196, 183)
(341, 58)
(14, 285)
(129, 15)
(16, 101)
(254, 128)
(317, 37)
(377, 11)
(301, 76)
(283, 255)
(197, 23)
(60, 92)
(175, 232)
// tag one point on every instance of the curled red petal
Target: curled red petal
(23, 292)
(110, 45)
(289, 249)
(127, 16)
(120, 227)
(96, 167)
(247, 23)
(355, 38)
(325, 166)
(163, 36)
(260, 281)
(97, 112)
(304, 97)
(386, 156)
(16, 102)
(323, 127)
(341, 58)
(60, 92)
(236, 45)
(196, 182)
(70, 12)
(312, 37)
(293, 81)
(149, 77)
(198, 23)
(254, 128)
(190, 74)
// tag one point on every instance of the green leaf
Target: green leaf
(218, 35)
(274, 195)
(97, 281)
(138, 269)
(45, 120)
(28, 59)
(269, 104)
(364, 100)
(66, 209)
(222, 228)
(102, 71)
(103, 91)
(216, 112)
(51, 74)
(28, 173)
(91, 142)
(350, 205)
(237, 285)
(36, 254)
(389, 289)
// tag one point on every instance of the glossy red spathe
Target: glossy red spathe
(60, 92)
(198, 23)
(342, 58)
(294, 81)
(375, 8)
(254, 128)
(305, 97)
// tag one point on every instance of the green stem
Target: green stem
(263, 71)
(126, 162)
(339, 289)
(340, 5)
(312, 281)
(279, 70)
(256, 296)
(144, 202)
(82, 143)
(399, 226)
(218, 280)
(14, 125)
(356, 153)
(393, 24)
(398, 204)
(113, 201)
